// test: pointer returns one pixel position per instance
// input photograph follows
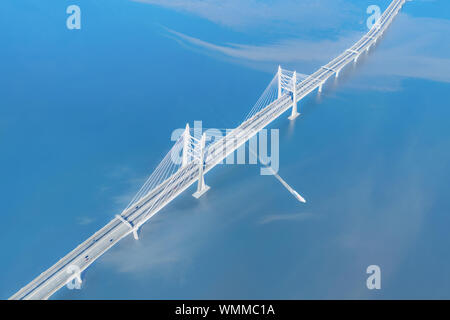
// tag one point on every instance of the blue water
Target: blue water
(85, 115)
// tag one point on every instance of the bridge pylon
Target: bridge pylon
(201, 186)
(186, 143)
(294, 113)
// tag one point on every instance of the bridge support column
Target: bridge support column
(135, 234)
(187, 138)
(279, 82)
(294, 113)
(320, 87)
(134, 229)
(337, 73)
(201, 186)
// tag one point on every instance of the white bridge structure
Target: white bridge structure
(198, 156)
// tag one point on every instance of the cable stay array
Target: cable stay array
(187, 148)
(197, 145)
(165, 169)
(269, 95)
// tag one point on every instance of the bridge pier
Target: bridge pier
(294, 113)
(320, 87)
(201, 186)
(135, 234)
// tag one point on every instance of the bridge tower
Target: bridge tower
(294, 113)
(201, 186)
(186, 143)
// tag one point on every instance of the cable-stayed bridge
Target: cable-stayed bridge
(192, 156)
